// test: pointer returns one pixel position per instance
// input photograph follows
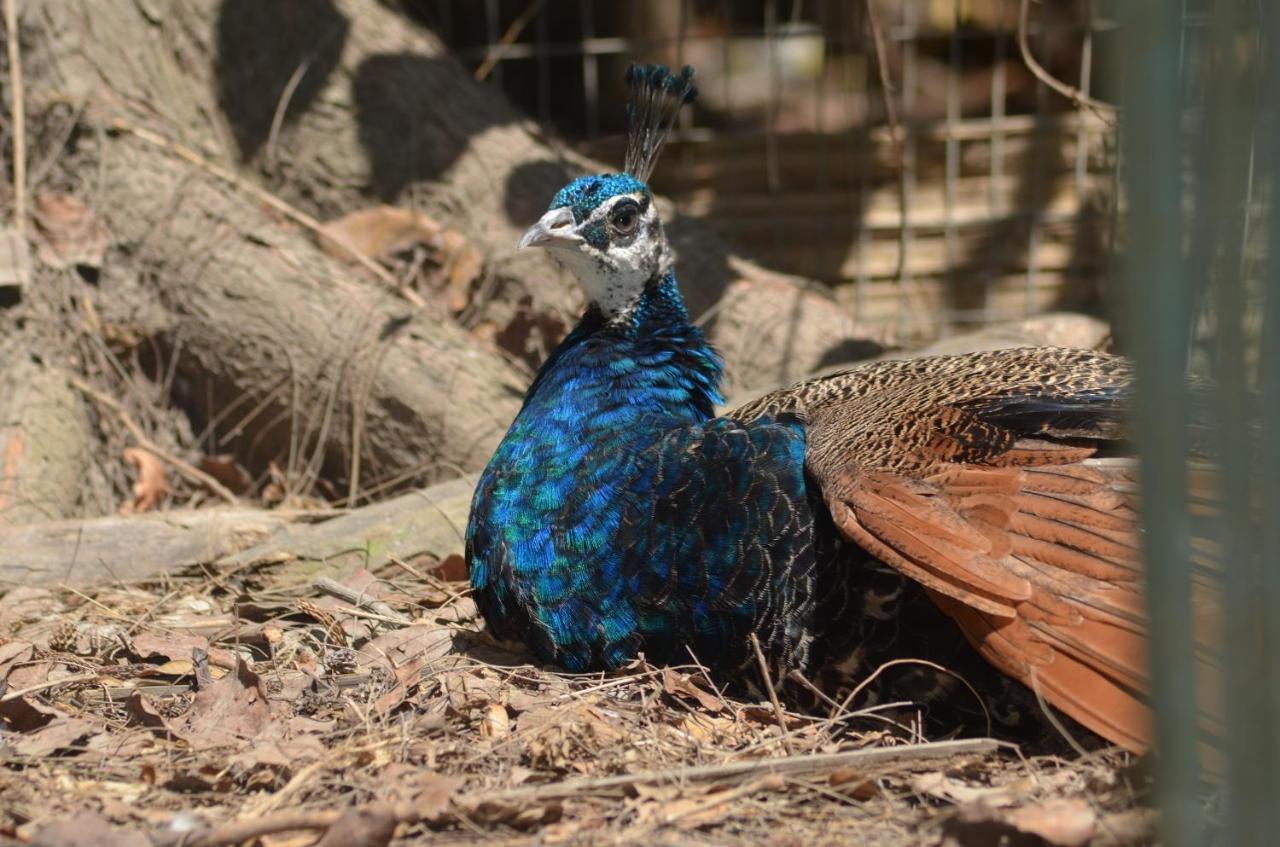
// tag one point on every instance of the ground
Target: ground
(271, 703)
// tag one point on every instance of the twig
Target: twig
(19, 118)
(237, 832)
(757, 767)
(358, 598)
(848, 700)
(33, 689)
(896, 135)
(512, 33)
(282, 106)
(191, 472)
(291, 212)
(1105, 111)
(773, 695)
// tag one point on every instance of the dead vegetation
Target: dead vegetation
(218, 707)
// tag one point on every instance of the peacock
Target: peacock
(621, 516)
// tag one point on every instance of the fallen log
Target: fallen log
(340, 104)
(82, 552)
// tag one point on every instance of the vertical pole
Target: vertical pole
(1157, 312)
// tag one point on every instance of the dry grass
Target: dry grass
(260, 700)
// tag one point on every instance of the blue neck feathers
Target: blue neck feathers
(647, 361)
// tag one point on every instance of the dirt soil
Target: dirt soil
(271, 706)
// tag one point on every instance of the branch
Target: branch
(19, 118)
(1105, 111)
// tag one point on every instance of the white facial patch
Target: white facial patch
(615, 277)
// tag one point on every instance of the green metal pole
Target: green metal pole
(1157, 310)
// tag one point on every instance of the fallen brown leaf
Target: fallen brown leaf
(459, 611)
(496, 723)
(515, 814)
(283, 754)
(142, 712)
(152, 484)
(406, 679)
(1064, 823)
(21, 714)
(397, 647)
(463, 265)
(854, 784)
(703, 810)
(61, 733)
(378, 232)
(1057, 823)
(228, 712)
(363, 826)
(680, 686)
(226, 470)
(177, 647)
(452, 568)
(68, 232)
(14, 653)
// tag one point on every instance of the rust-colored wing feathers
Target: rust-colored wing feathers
(982, 477)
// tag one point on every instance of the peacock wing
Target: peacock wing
(997, 480)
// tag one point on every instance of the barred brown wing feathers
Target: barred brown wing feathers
(979, 477)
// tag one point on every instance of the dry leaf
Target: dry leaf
(229, 711)
(177, 647)
(60, 733)
(152, 484)
(22, 714)
(397, 647)
(463, 264)
(146, 645)
(14, 653)
(406, 679)
(854, 784)
(459, 611)
(68, 232)
(452, 568)
(680, 686)
(283, 755)
(226, 470)
(1065, 823)
(304, 838)
(496, 723)
(515, 814)
(364, 826)
(378, 232)
(141, 712)
(36, 673)
(1058, 823)
(690, 813)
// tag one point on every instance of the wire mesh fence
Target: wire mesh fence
(919, 157)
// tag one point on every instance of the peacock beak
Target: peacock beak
(554, 228)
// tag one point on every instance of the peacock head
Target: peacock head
(605, 228)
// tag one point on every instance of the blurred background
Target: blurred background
(915, 156)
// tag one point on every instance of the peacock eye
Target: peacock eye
(624, 217)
